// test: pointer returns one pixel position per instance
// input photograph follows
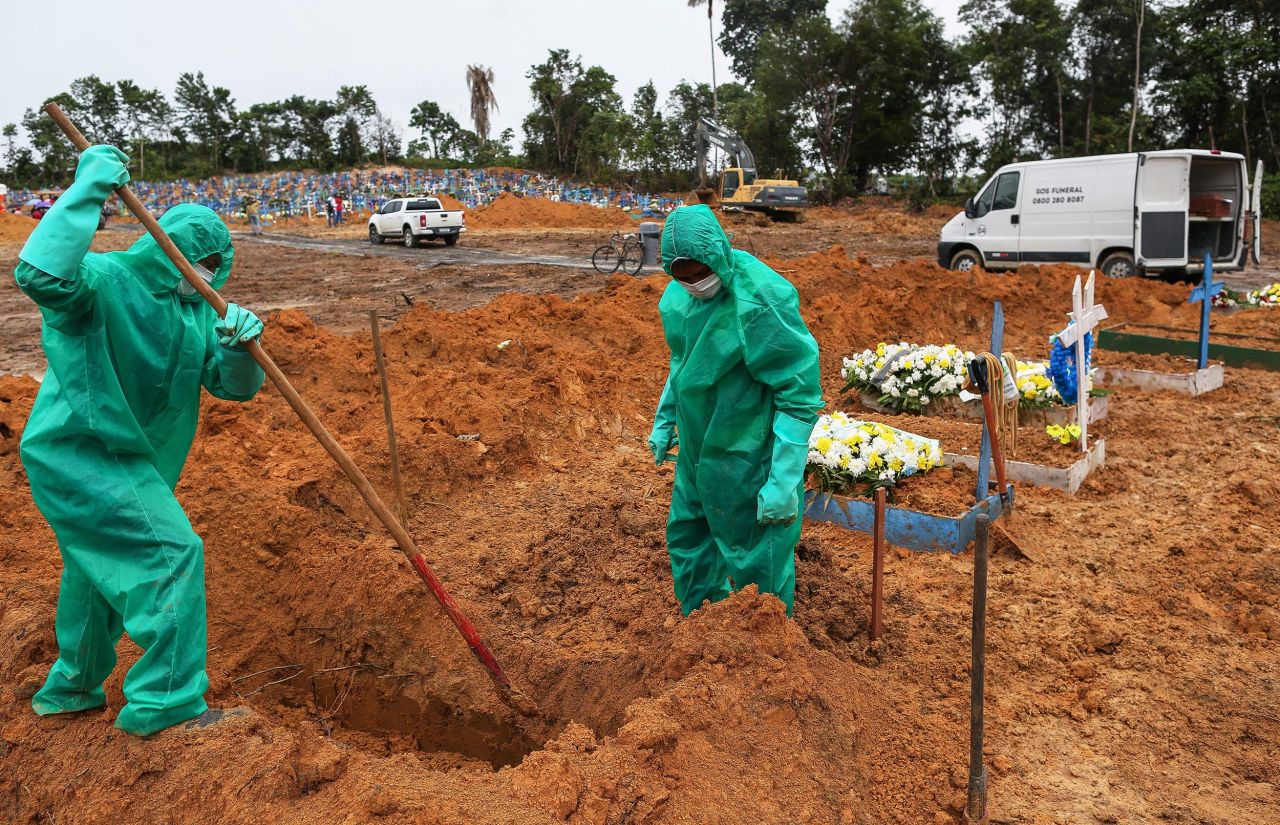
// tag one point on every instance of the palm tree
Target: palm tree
(711, 33)
(483, 100)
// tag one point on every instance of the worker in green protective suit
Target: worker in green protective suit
(741, 399)
(129, 344)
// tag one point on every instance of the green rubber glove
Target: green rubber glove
(663, 437)
(778, 501)
(240, 325)
(61, 239)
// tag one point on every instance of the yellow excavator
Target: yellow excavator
(740, 190)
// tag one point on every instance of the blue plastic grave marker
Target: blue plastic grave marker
(984, 457)
(1204, 294)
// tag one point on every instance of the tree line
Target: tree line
(880, 91)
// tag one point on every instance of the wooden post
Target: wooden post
(877, 563)
(386, 413)
(976, 808)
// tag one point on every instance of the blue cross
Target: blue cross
(1204, 294)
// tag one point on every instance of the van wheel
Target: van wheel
(966, 260)
(450, 240)
(408, 238)
(1118, 265)
(374, 237)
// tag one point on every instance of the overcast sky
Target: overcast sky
(271, 49)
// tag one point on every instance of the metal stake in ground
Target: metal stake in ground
(386, 413)
(481, 651)
(877, 563)
(975, 810)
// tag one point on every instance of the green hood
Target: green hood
(197, 231)
(694, 232)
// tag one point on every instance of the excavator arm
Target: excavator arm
(711, 133)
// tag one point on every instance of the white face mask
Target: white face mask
(186, 290)
(704, 289)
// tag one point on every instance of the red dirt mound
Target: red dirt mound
(449, 201)
(531, 490)
(511, 212)
(15, 228)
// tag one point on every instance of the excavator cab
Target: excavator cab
(740, 189)
(730, 180)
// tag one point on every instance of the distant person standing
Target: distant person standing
(251, 212)
(328, 210)
(338, 207)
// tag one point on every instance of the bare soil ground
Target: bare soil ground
(1132, 628)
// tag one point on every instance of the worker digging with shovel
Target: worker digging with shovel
(129, 344)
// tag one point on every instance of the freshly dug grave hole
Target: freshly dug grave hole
(376, 704)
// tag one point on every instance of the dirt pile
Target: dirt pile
(449, 201)
(15, 228)
(512, 212)
(522, 427)
(882, 216)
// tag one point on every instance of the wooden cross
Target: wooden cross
(1204, 293)
(1085, 315)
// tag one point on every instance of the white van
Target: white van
(1141, 213)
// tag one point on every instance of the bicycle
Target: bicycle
(625, 251)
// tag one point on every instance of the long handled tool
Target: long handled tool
(505, 689)
(386, 413)
(980, 377)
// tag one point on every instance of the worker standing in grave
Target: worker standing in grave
(741, 399)
(129, 344)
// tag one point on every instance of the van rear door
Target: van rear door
(1162, 198)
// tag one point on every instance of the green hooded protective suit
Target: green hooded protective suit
(743, 395)
(106, 441)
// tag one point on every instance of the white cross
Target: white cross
(1085, 315)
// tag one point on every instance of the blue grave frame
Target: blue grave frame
(911, 528)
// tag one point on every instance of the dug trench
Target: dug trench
(531, 491)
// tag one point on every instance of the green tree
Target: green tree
(145, 114)
(207, 113)
(1021, 49)
(687, 103)
(1217, 76)
(648, 152)
(356, 108)
(576, 125)
(57, 157)
(97, 110)
(744, 22)
(439, 132)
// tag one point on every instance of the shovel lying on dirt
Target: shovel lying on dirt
(509, 693)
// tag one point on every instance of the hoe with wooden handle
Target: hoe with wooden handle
(506, 690)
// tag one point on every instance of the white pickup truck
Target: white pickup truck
(414, 220)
